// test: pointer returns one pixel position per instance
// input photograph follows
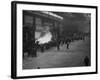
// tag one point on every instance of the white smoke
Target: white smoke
(45, 39)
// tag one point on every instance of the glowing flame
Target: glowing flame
(45, 39)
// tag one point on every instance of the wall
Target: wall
(5, 40)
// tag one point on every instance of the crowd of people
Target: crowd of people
(54, 43)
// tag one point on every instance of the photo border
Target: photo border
(14, 38)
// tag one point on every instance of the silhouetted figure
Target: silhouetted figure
(86, 61)
(42, 48)
(37, 45)
(38, 67)
(33, 49)
(67, 43)
(58, 45)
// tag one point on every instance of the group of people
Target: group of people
(32, 50)
(67, 40)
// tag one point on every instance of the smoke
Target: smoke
(45, 39)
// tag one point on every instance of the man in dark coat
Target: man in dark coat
(67, 43)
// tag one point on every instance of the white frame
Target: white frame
(52, 71)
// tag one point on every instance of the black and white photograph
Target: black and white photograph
(56, 39)
(53, 39)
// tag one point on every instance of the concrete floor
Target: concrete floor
(52, 58)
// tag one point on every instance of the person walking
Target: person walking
(58, 44)
(67, 43)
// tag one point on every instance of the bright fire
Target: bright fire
(45, 39)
